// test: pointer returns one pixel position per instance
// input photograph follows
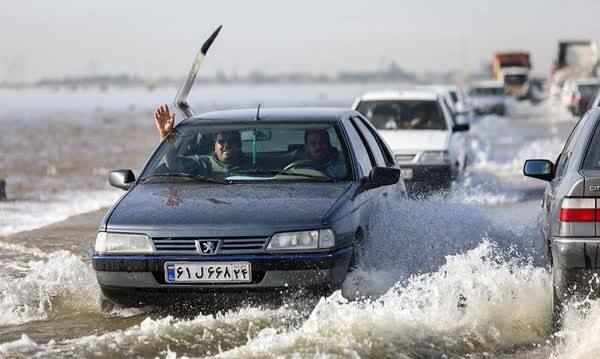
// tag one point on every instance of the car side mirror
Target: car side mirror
(383, 176)
(122, 179)
(540, 169)
(461, 127)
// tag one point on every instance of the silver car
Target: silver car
(571, 212)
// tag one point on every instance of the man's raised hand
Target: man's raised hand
(165, 120)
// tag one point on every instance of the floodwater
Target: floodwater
(456, 275)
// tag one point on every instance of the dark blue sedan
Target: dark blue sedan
(233, 201)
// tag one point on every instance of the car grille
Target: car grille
(405, 157)
(228, 245)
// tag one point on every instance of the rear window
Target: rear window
(403, 114)
(592, 156)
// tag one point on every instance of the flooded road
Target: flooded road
(456, 275)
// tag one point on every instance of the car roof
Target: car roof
(413, 94)
(324, 114)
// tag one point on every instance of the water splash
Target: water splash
(46, 286)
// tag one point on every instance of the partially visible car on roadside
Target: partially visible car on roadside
(571, 213)
(422, 132)
(489, 97)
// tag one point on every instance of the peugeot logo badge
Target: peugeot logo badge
(207, 248)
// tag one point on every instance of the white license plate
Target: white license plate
(208, 272)
(406, 173)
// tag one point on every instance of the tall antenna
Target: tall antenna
(258, 113)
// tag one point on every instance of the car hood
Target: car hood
(221, 210)
(416, 140)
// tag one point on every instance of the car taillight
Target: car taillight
(578, 210)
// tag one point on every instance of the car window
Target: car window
(403, 114)
(563, 159)
(387, 155)
(371, 141)
(254, 151)
(592, 154)
(363, 155)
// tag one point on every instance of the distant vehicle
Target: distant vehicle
(512, 68)
(457, 100)
(420, 128)
(290, 211)
(488, 97)
(575, 60)
(571, 212)
(578, 95)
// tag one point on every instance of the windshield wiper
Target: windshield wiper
(190, 176)
(287, 173)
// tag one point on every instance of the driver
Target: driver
(320, 155)
(422, 119)
(226, 158)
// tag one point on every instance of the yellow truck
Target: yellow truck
(512, 68)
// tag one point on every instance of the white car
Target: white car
(489, 97)
(420, 129)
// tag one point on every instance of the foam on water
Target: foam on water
(482, 300)
(578, 337)
(18, 216)
(203, 335)
(47, 285)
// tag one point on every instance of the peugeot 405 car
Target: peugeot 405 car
(289, 211)
(422, 131)
(571, 212)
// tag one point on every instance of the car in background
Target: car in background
(578, 95)
(571, 213)
(457, 101)
(596, 101)
(275, 221)
(419, 127)
(489, 97)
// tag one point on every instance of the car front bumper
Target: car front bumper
(145, 275)
(576, 265)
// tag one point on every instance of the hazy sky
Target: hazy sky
(155, 38)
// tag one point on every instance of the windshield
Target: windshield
(487, 91)
(251, 152)
(404, 114)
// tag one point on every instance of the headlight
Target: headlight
(434, 156)
(121, 243)
(323, 238)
